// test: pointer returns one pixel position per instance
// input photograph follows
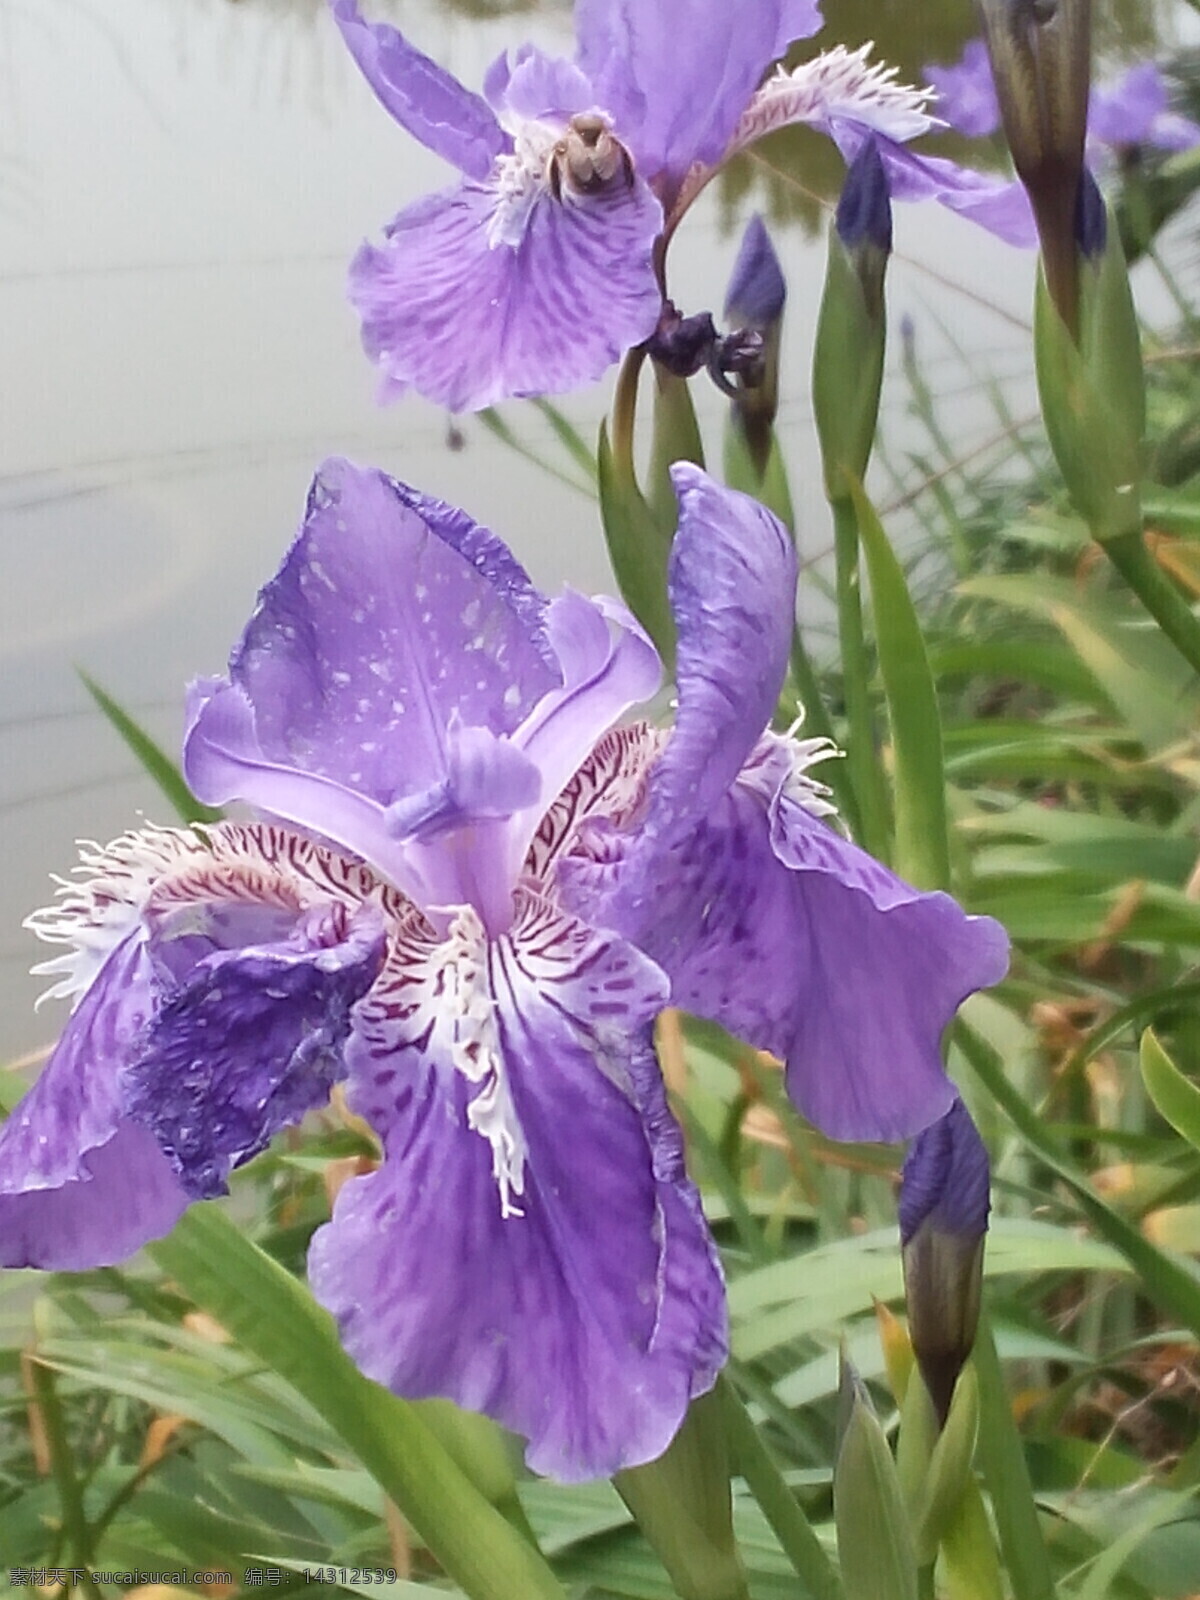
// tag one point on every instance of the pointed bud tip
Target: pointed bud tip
(1091, 218)
(757, 290)
(946, 1178)
(864, 212)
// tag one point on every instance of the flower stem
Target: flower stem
(1128, 553)
(779, 1505)
(70, 1494)
(624, 411)
(865, 777)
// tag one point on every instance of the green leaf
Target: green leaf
(875, 1545)
(683, 1505)
(1172, 1282)
(1002, 1458)
(274, 1317)
(1177, 1098)
(1100, 1579)
(152, 757)
(568, 436)
(1134, 665)
(922, 847)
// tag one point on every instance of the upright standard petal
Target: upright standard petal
(80, 1184)
(505, 288)
(392, 614)
(423, 97)
(732, 583)
(677, 76)
(531, 1247)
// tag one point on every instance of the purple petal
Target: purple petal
(1134, 110)
(392, 612)
(80, 1185)
(732, 582)
(798, 19)
(223, 761)
(609, 665)
(425, 99)
(966, 92)
(946, 1178)
(250, 1041)
(1000, 205)
(475, 298)
(677, 76)
(771, 924)
(531, 1247)
(526, 84)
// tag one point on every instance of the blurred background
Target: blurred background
(182, 183)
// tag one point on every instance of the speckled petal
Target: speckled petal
(392, 613)
(531, 1247)
(469, 309)
(250, 1040)
(80, 1185)
(423, 97)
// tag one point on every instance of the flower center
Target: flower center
(588, 159)
(467, 1010)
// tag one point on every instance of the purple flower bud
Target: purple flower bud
(864, 212)
(943, 1219)
(1091, 218)
(1041, 60)
(757, 291)
(754, 311)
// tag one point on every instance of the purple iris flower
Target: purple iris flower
(1132, 111)
(544, 262)
(473, 890)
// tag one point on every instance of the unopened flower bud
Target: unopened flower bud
(864, 221)
(943, 1219)
(754, 310)
(851, 326)
(1041, 61)
(1090, 377)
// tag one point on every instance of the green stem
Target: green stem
(70, 1494)
(1128, 553)
(624, 411)
(779, 1505)
(1002, 1458)
(864, 775)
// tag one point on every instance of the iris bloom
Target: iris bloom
(543, 262)
(472, 892)
(1133, 111)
